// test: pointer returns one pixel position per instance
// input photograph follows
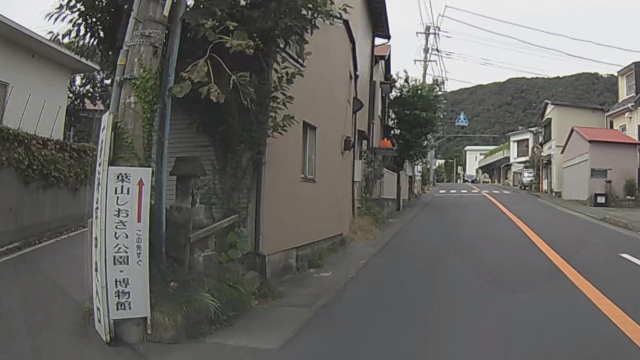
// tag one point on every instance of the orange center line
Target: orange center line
(623, 321)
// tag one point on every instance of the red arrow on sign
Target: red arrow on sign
(140, 195)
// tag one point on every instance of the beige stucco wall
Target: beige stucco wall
(363, 31)
(296, 212)
(46, 82)
(576, 171)
(621, 159)
(563, 119)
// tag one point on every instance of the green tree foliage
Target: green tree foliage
(502, 107)
(415, 108)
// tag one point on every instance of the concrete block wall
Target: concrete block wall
(33, 210)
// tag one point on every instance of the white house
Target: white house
(472, 156)
(34, 75)
(521, 145)
(557, 119)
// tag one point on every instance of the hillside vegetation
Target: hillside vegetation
(502, 107)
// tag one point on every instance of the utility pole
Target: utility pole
(455, 170)
(141, 55)
(425, 54)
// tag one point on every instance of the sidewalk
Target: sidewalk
(270, 326)
(622, 217)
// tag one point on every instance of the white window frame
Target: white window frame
(309, 151)
(629, 91)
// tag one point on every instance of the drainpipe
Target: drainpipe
(356, 77)
(164, 123)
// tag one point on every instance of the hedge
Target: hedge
(48, 161)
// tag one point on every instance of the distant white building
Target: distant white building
(472, 157)
(34, 76)
(520, 149)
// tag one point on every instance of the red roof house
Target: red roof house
(597, 160)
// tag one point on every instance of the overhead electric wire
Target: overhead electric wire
(461, 81)
(488, 64)
(480, 58)
(545, 31)
(545, 55)
(532, 44)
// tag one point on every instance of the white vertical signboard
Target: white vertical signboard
(127, 242)
(102, 321)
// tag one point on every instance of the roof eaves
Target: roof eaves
(41, 45)
(378, 12)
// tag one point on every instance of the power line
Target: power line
(421, 15)
(460, 81)
(433, 18)
(549, 56)
(532, 44)
(545, 31)
(488, 64)
(480, 58)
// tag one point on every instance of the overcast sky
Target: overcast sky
(611, 22)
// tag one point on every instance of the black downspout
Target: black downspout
(356, 76)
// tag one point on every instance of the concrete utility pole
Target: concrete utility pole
(141, 53)
(425, 51)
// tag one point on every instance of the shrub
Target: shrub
(52, 162)
(630, 187)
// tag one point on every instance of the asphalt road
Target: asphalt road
(462, 281)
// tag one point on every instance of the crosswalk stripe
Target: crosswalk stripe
(453, 191)
(496, 192)
(443, 191)
(474, 191)
(506, 192)
(464, 191)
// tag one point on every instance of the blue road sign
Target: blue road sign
(462, 120)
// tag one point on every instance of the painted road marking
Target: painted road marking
(443, 191)
(464, 191)
(453, 191)
(496, 192)
(506, 192)
(608, 307)
(475, 191)
(630, 258)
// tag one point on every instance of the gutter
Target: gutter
(629, 107)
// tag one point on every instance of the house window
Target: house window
(522, 147)
(599, 173)
(611, 124)
(622, 129)
(546, 136)
(309, 151)
(630, 84)
(4, 92)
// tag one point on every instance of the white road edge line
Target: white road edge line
(46, 243)
(630, 258)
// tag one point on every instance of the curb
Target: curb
(385, 240)
(611, 220)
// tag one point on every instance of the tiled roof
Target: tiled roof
(624, 103)
(604, 135)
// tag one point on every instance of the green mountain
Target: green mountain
(502, 107)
